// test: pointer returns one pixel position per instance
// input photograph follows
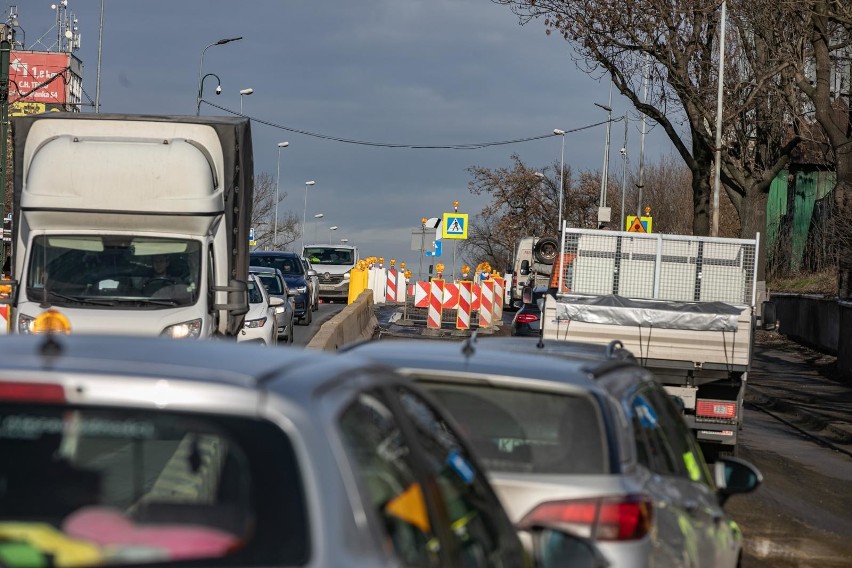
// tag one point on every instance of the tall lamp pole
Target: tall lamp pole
(305, 211)
(330, 229)
(317, 217)
(201, 66)
(605, 174)
(558, 132)
(277, 187)
(717, 158)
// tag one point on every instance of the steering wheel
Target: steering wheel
(157, 283)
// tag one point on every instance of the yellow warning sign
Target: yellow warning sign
(639, 224)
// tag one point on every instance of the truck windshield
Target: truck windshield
(329, 255)
(117, 271)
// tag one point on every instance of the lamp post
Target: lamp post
(344, 241)
(330, 229)
(244, 92)
(605, 173)
(558, 132)
(717, 155)
(422, 246)
(317, 217)
(201, 66)
(277, 187)
(305, 211)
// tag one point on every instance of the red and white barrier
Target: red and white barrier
(436, 301)
(486, 303)
(421, 294)
(499, 289)
(390, 287)
(464, 299)
(451, 296)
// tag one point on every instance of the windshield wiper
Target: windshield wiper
(79, 300)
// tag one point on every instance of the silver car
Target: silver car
(313, 281)
(276, 287)
(127, 450)
(589, 441)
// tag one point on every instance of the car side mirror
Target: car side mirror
(525, 267)
(275, 301)
(553, 547)
(312, 272)
(735, 476)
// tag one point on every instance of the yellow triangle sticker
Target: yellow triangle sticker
(410, 507)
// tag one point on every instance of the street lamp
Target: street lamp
(330, 229)
(201, 66)
(558, 132)
(605, 173)
(305, 211)
(344, 241)
(244, 92)
(317, 217)
(277, 187)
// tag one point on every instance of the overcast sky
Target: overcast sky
(414, 72)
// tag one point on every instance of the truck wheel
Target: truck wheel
(545, 250)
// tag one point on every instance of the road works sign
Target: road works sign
(454, 226)
(639, 224)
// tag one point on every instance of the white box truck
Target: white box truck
(332, 264)
(684, 305)
(130, 224)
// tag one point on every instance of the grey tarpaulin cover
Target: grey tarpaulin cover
(616, 310)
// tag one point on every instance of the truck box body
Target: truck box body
(111, 192)
(532, 264)
(683, 305)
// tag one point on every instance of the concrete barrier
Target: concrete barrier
(355, 322)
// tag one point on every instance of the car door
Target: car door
(718, 537)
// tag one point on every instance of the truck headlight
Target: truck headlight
(255, 323)
(184, 330)
(346, 275)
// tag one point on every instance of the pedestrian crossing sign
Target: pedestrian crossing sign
(454, 226)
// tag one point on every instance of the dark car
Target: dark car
(527, 320)
(290, 265)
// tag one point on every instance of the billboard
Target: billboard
(41, 77)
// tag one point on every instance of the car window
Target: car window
(254, 293)
(652, 448)
(272, 283)
(286, 264)
(102, 486)
(382, 461)
(515, 430)
(689, 458)
(472, 507)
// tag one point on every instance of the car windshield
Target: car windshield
(286, 264)
(515, 430)
(120, 271)
(329, 255)
(89, 487)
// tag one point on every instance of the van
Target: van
(534, 258)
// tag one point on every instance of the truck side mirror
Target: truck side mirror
(525, 267)
(237, 304)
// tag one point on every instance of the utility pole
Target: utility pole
(8, 36)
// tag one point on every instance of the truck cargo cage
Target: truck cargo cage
(658, 266)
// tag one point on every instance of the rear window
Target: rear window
(88, 487)
(513, 430)
(286, 264)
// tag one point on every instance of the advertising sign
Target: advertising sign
(39, 77)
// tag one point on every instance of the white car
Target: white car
(259, 326)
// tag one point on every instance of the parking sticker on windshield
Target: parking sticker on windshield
(461, 466)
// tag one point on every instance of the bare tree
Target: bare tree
(263, 216)
(675, 45)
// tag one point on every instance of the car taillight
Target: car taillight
(526, 318)
(626, 518)
(32, 392)
(716, 408)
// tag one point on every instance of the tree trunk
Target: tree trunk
(702, 169)
(753, 221)
(842, 216)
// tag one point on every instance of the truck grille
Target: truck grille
(327, 278)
